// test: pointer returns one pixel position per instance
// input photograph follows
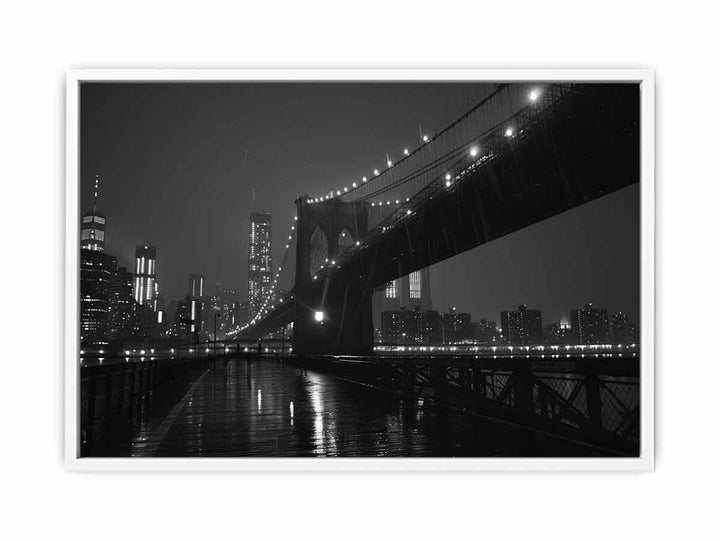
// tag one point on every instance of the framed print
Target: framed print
(360, 269)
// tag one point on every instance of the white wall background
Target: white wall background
(39, 40)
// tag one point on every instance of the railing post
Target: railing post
(440, 380)
(523, 389)
(594, 404)
(479, 387)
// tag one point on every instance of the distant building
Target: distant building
(522, 327)
(196, 287)
(92, 227)
(590, 325)
(456, 327)
(241, 313)
(96, 272)
(223, 304)
(188, 319)
(559, 333)
(260, 268)
(121, 304)
(623, 331)
(409, 292)
(411, 326)
(144, 288)
(486, 332)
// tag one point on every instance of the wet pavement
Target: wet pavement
(264, 408)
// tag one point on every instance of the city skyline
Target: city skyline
(598, 241)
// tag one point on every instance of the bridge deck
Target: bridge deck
(241, 407)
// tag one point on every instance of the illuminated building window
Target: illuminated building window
(391, 290)
(415, 285)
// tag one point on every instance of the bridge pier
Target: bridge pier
(335, 315)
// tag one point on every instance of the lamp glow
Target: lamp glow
(474, 151)
(319, 316)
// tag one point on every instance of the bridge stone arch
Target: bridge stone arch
(347, 327)
(345, 240)
(319, 252)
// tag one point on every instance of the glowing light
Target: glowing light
(376, 172)
(534, 95)
(448, 176)
(338, 193)
(319, 316)
(409, 212)
(389, 163)
(406, 151)
(295, 218)
(364, 178)
(354, 184)
(426, 138)
(474, 151)
(345, 189)
(372, 204)
(332, 262)
(509, 132)
(357, 243)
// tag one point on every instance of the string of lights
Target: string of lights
(468, 157)
(426, 138)
(470, 145)
(460, 161)
(267, 305)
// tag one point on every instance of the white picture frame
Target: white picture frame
(646, 80)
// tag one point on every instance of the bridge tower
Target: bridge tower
(332, 315)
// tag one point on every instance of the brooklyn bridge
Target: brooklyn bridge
(522, 154)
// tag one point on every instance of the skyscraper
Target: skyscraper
(260, 270)
(120, 304)
(196, 287)
(92, 228)
(96, 271)
(144, 286)
(522, 327)
(590, 325)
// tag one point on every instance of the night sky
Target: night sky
(183, 165)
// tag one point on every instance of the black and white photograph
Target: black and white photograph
(359, 268)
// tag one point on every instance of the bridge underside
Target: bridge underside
(585, 147)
